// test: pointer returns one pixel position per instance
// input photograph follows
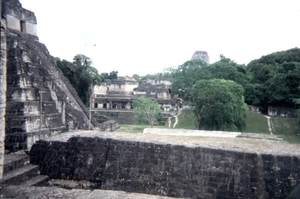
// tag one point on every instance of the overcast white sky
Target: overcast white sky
(147, 36)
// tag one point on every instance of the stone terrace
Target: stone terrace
(256, 143)
(174, 163)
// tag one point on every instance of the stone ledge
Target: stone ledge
(184, 132)
(249, 144)
(54, 192)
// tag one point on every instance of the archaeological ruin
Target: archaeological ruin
(115, 100)
(203, 55)
(39, 100)
(49, 148)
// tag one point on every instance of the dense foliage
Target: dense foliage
(272, 80)
(219, 104)
(146, 110)
(83, 76)
(275, 79)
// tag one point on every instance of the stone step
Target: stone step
(22, 108)
(17, 94)
(32, 123)
(23, 141)
(19, 175)
(15, 161)
(39, 180)
(49, 107)
(30, 108)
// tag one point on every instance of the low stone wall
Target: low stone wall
(122, 117)
(178, 170)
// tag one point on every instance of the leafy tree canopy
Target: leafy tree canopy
(219, 104)
(82, 75)
(275, 79)
(186, 75)
(146, 110)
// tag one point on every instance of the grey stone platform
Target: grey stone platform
(233, 141)
(24, 192)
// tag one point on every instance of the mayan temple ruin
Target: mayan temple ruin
(40, 101)
(49, 148)
(203, 55)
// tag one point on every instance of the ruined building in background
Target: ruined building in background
(115, 100)
(40, 101)
(116, 95)
(201, 55)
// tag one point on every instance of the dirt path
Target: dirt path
(269, 124)
(176, 119)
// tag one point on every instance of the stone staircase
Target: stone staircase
(17, 170)
(25, 123)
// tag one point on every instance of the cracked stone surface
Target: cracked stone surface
(256, 143)
(174, 162)
(53, 192)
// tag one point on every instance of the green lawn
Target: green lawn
(255, 123)
(287, 128)
(186, 120)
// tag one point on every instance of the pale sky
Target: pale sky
(147, 36)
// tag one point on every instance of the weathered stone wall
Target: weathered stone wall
(37, 100)
(40, 101)
(18, 18)
(169, 170)
(2, 91)
(122, 117)
(34, 78)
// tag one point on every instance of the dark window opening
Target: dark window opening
(23, 26)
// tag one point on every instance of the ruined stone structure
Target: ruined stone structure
(253, 108)
(201, 55)
(115, 100)
(171, 166)
(281, 112)
(116, 95)
(39, 101)
(2, 90)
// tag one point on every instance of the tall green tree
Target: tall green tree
(219, 105)
(146, 110)
(227, 69)
(186, 75)
(81, 74)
